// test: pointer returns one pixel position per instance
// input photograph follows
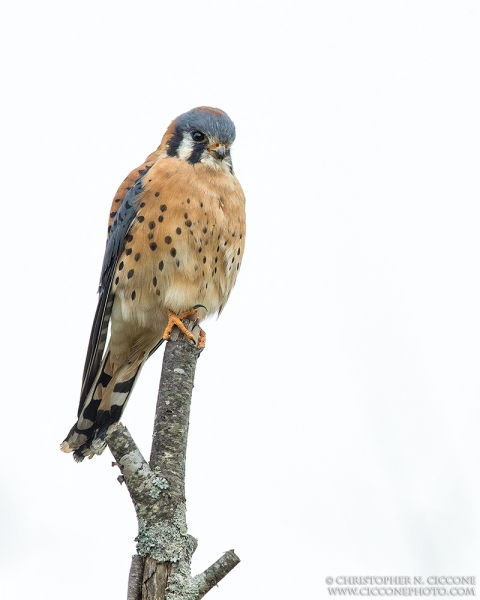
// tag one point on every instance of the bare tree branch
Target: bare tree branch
(161, 568)
(216, 572)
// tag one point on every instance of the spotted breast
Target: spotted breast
(176, 241)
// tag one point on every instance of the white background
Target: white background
(335, 420)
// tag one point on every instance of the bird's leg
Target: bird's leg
(174, 319)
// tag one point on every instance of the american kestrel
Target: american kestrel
(176, 237)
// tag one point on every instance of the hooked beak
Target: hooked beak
(220, 152)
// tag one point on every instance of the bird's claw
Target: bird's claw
(174, 319)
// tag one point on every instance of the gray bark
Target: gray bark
(135, 578)
(161, 568)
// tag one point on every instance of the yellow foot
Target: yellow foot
(174, 319)
(202, 339)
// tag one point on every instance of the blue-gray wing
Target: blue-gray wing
(115, 245)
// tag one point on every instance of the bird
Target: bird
(175, 243)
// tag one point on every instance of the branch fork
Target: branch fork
(161, 568)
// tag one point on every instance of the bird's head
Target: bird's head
(201, 135)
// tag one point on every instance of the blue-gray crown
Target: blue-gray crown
(213, 122)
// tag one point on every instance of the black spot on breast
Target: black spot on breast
(177, 262)
(201, 204)
(238, 266)
(116, 280)
(218, 248)
(150, 236)
(120, 266)
(233, 234)
(157, 292)
(238, 252)
(216, 259)
(160, 265)
(160, 218)
(200, 249)
(157, 194)
(141, 219)
(188, 223)
(153, 246)
(204, 230)
(188, 200)
(112, 214)
(173, 252)
(142, 204)
(129, 237)
(130, 273)
(168, 240)
(154, 281)
(185, 216)
(233, 260)
(151, 225)
(137, 256)
(134, 294)
(204, 259)
(118, 199)
(128, 251)
(163, 207)
(178, 231)
(241, 235)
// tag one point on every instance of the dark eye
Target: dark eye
(198, 136)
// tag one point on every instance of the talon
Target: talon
(174, 319)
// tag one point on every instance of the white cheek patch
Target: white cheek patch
(215, 163)
(186, 148)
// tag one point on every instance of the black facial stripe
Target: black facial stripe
(229, 161)
(197, 153)
(174, 143)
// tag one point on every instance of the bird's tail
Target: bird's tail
(103, 407)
